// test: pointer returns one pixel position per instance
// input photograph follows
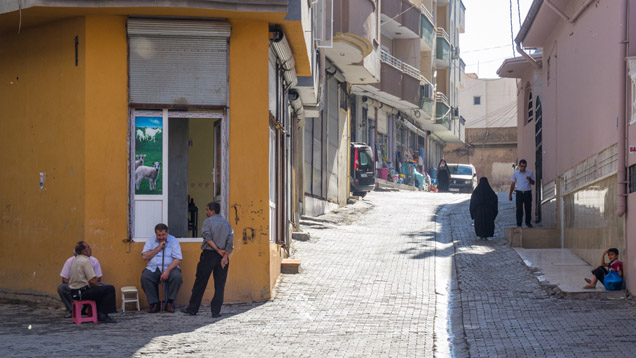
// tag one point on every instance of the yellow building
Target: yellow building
(86, 91)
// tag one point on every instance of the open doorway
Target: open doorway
(177, 170)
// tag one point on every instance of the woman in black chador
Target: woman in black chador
(484, 209)
(443, 176)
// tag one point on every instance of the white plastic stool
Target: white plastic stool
(129, 290)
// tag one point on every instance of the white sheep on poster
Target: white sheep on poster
(140, 135)
(151, 133)
(150, 173)
(139, 160)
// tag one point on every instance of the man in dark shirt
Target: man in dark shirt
(218, 243)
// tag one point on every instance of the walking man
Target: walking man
(522, 179)
(218, 243)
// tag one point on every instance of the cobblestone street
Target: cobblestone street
(397, 274)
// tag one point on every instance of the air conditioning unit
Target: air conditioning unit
(427, 91)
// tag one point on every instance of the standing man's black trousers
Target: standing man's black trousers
(209, 262)
(524, 201)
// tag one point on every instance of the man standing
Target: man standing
(163, 254)
(522, 179)
(64, 290)
(218, 243)
(84, 286)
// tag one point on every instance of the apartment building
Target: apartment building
(413, 112)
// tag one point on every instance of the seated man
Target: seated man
(84, 286)
(64, 291)
(163, 254)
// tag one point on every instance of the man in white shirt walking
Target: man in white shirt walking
(522, 180)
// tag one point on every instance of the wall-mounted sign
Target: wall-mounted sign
(632, 149)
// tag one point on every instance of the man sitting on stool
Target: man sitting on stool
(163, 254)
(65, 291)
(84, 285)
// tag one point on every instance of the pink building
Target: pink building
(575, 122)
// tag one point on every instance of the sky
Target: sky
(487, 40)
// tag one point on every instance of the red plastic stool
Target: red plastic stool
(77, 312)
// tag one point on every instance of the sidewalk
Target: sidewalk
(565, 270)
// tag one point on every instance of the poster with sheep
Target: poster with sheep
(148, 155)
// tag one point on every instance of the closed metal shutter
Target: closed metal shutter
(178, 62)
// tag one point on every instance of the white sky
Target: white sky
(487, 41)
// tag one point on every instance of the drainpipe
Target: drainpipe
(621, 200)
(523, 31)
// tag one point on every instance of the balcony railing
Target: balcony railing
(443, 50)
(440, 97)
(426, 12)
(399, 65)
(443, 34)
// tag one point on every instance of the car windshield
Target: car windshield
(459, 169)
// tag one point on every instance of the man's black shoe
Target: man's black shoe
(154, 308)
(528, 225)
(106, 319)
(216, 315)
(185, 310)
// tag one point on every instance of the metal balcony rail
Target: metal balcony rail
(425, 81)
(426, 12)
(399, 65)
(440, 97)
(442, 33)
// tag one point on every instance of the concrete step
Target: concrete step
(290, 266)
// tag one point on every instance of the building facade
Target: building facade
(199, 94)
(489, 107)
(579, 147)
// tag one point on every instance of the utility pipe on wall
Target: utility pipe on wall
(621, 200)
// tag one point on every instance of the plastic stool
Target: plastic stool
(77, 311)
(129, 290)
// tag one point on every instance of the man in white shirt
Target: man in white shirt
(523, 180)
(163, 255)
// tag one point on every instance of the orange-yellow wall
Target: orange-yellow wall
(42, 108)
(71, 122)
(249, 161)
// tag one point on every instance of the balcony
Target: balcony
(443, 50)
(461, 20)
(427, 32)
(353, 41)
(400, 19)
(400, 79)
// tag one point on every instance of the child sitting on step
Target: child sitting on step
(600, 272)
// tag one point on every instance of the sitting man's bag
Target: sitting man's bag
(613, 281)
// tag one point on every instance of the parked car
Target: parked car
(362, 177)
(463, 178)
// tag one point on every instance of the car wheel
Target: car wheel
(361, 194)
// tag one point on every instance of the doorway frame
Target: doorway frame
(166, 114)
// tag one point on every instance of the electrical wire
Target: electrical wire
(512, 39)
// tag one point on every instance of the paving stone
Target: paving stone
(398, 274)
